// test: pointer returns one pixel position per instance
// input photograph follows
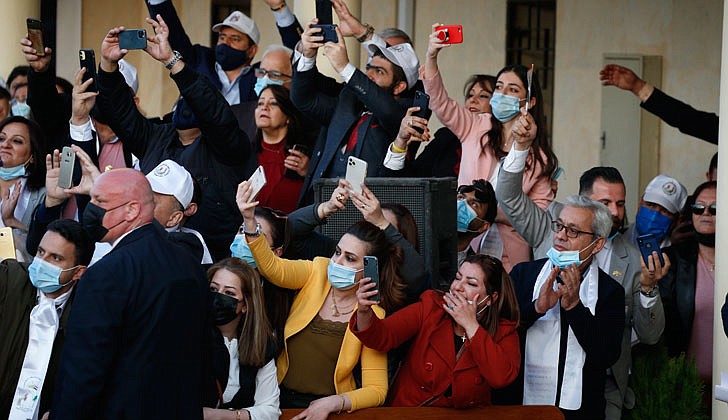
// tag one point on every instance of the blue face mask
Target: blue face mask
(264, 82)
(563, 259)
(466, 214)
(505, 107)
(13, 172)
(240, 249)
(45, 276)
(20, 109)
(341, 277)
(652, 222)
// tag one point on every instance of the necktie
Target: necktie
(354, 136)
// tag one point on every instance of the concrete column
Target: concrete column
(720, 341)
(306, 10)
(12, 29)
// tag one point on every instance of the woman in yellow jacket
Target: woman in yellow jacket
(316, 370)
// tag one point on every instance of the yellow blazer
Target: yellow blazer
(311, 280)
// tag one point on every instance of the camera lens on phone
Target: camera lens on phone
(140, 34)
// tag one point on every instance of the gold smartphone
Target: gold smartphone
(7, 244)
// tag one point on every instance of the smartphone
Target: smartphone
(647, 244)
(328, 32)
(450, 34)
(65, 175)
(323, 12)
(133, 39)
(87, 58)
(300, 148)
(7, 244)
(422, 100)
(258, 181)
(371, 270)
(356, 172)
(35, 34)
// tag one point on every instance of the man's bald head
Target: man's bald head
(127, 197)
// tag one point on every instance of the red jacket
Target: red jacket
(430, 366)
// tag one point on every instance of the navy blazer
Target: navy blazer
(339, 113)
(136, 338)
(600, 335)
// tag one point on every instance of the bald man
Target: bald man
(134, 341)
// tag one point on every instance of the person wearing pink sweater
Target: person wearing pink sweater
(487, 137)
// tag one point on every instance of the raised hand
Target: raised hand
(311, 39)
(547, 297)
(653, 272)
(38, 63)
(7, 208)
(524, 130)
(369, 206)
(336, 52)
(157, 45)
(89, 173)
(349, 25)
(337, 201)
(364, 311)
(408, 129)
(82, 101)
(247, 209)
(621, 77)
(111, 52)
(55, 196)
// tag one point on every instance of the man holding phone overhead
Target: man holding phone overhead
(364, 116)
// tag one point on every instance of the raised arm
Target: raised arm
(178, 38)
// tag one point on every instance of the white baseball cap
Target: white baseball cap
(667, 192)
(169, 178)
(402, 55)
(130, 74)
(240, 22)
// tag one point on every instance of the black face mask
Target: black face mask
(706, 239)
(224, 308)
(93, 219)
(183, 118)
(229, 58)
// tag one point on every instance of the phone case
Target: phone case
(7, 243)
(133, 39)
(422, 100)
(324, 12)
(356, 172)
(328, 32)
(451, 34)
(647, 244)
(65, 175)
(35, 34)
(258, 181)
(371, 270)
(87, 59)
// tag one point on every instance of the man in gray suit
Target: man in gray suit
(619, 258)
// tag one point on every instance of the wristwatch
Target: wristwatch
(177, 56)
(255, 234)
(653, 292)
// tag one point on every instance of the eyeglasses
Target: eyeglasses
(557, 227)
(699, 209)
(272, 74)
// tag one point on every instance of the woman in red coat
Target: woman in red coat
(465, 341)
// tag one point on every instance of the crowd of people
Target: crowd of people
(164, 284)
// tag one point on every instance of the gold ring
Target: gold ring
(340, 197)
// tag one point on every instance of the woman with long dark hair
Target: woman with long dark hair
(465, 339)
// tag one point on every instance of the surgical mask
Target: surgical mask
(505, 107)
(341, 277)
(20, 109)
(652, 222)
(563, 259)
(93, 221)
(224, 308)
(13, 172)
(183, 118)
(46, 277)
(229, 58)
(240, 249)
(264, 82)
(466, 214)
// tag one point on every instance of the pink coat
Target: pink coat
(476, 164)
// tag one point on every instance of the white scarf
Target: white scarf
(41, 334)
(541, 365)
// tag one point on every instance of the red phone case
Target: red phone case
(450, 34)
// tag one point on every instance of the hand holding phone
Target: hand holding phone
(647, 244)
(422, 100)
(7, 244)
(257, 182)
(133, 39)
(35, 34)
(87, 59)
(65, 174)
(450, 34)
(356, 173)
(371, 270)
(328, 32)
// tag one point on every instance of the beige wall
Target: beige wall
(686, 33)
(12, 30)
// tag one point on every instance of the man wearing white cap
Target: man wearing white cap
(364, 116)
(660, 206)
(174, 202)
(228, 66)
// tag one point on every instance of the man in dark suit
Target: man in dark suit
(135, 340)
(35, 303)
(362, 117)
(572, 313)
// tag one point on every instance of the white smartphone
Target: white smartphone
(65, 175)
(356, 172)
(7, 244)
(257, 180)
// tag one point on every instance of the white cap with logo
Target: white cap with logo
(240, 22)
(402, 55)
(667, 192)
(169, 178)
